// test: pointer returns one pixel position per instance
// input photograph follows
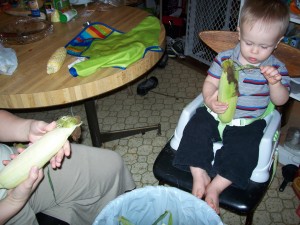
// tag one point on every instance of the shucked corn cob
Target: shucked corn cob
(228, 90)
(56, 60)
(37, 154)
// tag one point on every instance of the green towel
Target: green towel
(113, 48)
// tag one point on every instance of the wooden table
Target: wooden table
(31, 87)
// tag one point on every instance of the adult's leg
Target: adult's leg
(83, 186)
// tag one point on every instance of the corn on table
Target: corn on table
(31, 87)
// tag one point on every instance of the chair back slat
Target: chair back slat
(222, 40)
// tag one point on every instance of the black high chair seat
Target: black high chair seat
(242, 202)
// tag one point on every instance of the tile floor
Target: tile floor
(178, 85)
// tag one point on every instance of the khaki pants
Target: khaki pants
(85, 183)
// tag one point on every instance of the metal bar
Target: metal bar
(113, 135)
(92, 119)
(99, 138)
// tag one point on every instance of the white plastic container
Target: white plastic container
(67, 16)
(286, 157)
(289, 153)
(267, 145)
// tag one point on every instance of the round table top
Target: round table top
(31, 87)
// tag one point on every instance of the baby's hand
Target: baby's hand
(271, 74)
(216, 106)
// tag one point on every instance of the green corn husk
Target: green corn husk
(125, 221)
(228, 90)
(38, 154)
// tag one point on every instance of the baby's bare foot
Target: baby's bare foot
(213, 191)
(212, 198)
(200, 181)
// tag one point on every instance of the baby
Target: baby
(263, 24)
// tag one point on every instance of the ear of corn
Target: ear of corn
(55, 16)
(37, 154)
(56, 60)
(228, 90)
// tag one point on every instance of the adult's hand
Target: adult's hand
(16, 198)
(37, 130)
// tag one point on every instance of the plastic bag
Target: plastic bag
(8, 60)
(113, 2)
(106, 5)
(143, 206)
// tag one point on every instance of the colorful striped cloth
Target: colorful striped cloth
(84, 39)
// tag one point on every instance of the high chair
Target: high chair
(242, 202)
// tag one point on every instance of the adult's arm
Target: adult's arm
(16, 198)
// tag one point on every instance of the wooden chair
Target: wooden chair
(242, 202)
(222, 40)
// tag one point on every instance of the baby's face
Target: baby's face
(257, 42)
